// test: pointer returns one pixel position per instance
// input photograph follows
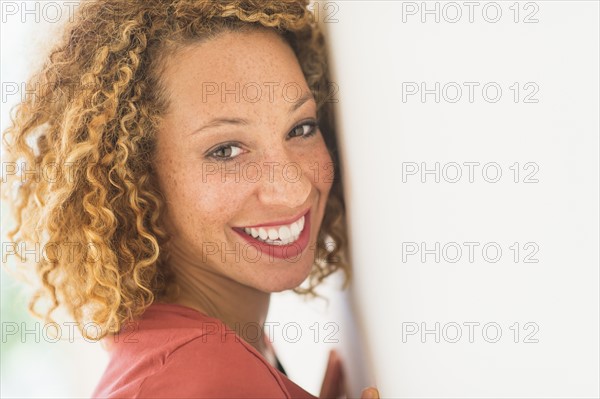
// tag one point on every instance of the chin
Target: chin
(287, 280)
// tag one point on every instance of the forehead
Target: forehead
(233, 63)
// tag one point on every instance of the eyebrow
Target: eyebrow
(241, 121)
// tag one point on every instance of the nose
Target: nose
(284, 184)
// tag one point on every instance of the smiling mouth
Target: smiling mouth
(284, 239)
(277, 235)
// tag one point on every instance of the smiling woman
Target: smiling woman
(204, 178)
(207, 215)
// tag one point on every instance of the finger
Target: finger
(369, 393)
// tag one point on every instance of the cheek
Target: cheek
(322, 168)
(203, 203)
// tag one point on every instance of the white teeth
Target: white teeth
(295, 229)
(251, 231)
(262, 233)
(273, 235)
(284, 233)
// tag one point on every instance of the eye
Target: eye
(226, 152)
(304, 130)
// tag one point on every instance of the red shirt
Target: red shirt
(177, 352)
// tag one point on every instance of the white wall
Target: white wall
(382, 49)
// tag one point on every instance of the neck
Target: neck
(242, 308)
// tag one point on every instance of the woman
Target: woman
(199, 150)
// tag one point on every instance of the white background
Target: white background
(374, 53)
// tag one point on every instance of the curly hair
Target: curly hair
(92, 121)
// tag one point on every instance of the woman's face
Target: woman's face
(239, 152)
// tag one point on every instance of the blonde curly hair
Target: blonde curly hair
(97, 102)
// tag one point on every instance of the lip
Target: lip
(287, 252)
(279, 222)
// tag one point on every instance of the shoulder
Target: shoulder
(177, 352)
(209, 366)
